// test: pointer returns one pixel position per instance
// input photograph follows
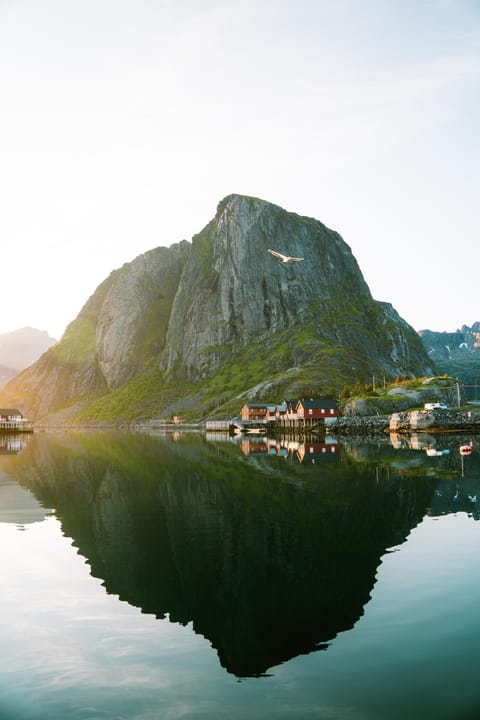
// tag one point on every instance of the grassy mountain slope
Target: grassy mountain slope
(196, 328)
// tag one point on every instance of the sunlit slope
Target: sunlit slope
(192, 327)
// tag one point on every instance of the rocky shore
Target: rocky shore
(360, 425)
(436, 421)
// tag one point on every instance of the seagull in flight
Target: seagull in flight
(284, 258)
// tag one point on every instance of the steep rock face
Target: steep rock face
(120, 329)
(189, 309)
(133, 319)
(232, 292)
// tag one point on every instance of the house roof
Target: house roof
(319, 404)
(259, 405)
(10, 411)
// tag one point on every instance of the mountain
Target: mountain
(197, 326)
(6, 374)
(457, 354)
(21, 348)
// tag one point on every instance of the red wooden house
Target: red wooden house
(311, 412)
(257, 411)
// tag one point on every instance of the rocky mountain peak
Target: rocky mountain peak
(245, 291)
(189, 311)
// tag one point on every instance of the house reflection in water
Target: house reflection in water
(316, 451)
(12, 443)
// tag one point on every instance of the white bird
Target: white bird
(284, 258)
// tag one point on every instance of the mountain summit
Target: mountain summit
(202, 322)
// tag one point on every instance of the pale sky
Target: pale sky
(125, 122)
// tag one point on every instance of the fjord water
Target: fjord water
(175, 577)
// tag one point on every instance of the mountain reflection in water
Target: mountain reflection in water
(268, 559)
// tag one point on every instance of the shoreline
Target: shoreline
(406, 423)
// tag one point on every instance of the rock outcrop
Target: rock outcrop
(404, 397)
(193, 309)
(233, 292)
(435, 420)
(134, 316)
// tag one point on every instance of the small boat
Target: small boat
(465, 449)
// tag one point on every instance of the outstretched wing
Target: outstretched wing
(284, 258)
(277, 255)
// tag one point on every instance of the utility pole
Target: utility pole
(380, 379)
(458, 394)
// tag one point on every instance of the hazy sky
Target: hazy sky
(125, 122)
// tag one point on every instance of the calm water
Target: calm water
(182, 577)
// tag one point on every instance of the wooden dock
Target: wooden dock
(16, 426)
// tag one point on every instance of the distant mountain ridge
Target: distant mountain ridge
(457, 354)
(6, 374)
(20, 348)
(447, 345)
(197, 326)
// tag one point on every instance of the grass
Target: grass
(267, 364)
(78, 342)
(302, 361)
(137, 399)
(149, 395)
